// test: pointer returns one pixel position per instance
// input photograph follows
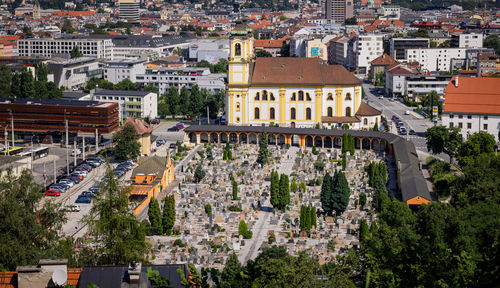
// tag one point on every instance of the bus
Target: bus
(12, 152)
(38, 153)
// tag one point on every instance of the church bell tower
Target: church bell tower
(238, 77)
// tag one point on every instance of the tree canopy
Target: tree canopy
(126, 143)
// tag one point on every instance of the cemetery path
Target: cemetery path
(286, 166)
(263, 225)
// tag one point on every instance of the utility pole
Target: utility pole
(44, 176)
(67, 145)
(74, 151)
(12, 126)
(6, 134)
(96, 141)
(208, 115)
(32, 153)
(55, 170)
(83, 148)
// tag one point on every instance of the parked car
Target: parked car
(88, 168)
(173, 129)
(62, 186)
(172, 146)
(155, 121)
(52, 193)
(94, 190)
(412, 132)
(407, 112)
(78, 175)
(87, 194)
(403, 132)
(83, 199)
(180, 125)
(67, 182)
(81, 171)
(72, 208)
(76, 152)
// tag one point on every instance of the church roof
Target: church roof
(367, 110)
(305, 71)
(339, 119)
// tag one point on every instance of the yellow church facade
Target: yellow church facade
(291, 92)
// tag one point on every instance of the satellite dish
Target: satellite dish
(59, 277)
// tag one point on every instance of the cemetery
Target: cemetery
(224, 203)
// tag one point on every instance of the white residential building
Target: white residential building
(467, 40)
(473, 104)
(140, 104)
(116, 71)
(74, 73)
(434, 59)
(366, 49)
(165, 77)
(129, 10)
(50, 47)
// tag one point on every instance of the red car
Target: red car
(52, 193)
(155, 121)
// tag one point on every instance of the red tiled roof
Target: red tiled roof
(8, 279)
(306, 71)
(383, 60)
(141, 127)
(268, 43)
(398, 70)
(473, 95)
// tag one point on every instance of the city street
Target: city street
(413, 121)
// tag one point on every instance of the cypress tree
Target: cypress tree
(263, 157)
(284, 191)
(154, 214)
(362, 199)
(274, 189)
(341, 193)
(363, 230)
(302, 217)
(224, 155)
(308, 218)
(313, 217)
(235, 190)
(168, 220)
(325, 194)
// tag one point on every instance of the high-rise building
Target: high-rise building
(129, 10)
(339, 10)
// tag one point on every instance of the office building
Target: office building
(136, 104)
(398, 46)
(42, 116)
(472, 104)
(61, 47)
(116, 71)
(129, 10)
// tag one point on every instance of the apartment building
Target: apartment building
(339, 10)
(137, 104)
(398, 46)
(472, 104)
(116, 71)
(74, 73)
(129, 10)
(165, 77)
(366, 49)
(61, 47)
(467, 40)
(488, 63)
(434, 59)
